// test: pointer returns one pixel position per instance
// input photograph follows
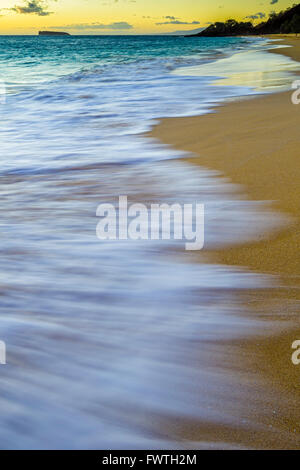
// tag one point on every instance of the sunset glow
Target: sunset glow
(127, 16)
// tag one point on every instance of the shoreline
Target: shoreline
(254, 142)
(251, 127)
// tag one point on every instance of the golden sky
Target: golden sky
(126, 16)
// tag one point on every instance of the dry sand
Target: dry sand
(256, 143)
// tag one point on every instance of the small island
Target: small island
(53, 33)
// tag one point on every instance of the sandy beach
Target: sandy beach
(255, 143)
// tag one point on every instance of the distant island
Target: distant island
(284, 22)
(53, 33)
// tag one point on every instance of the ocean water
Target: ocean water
(103, 338)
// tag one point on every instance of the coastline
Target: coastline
(255, 144)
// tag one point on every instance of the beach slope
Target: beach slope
(255, 143)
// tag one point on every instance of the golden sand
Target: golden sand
(256, 143)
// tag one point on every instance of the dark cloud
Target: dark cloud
(177, 22)
(117, 26)
(257, 16)
(273, 2)
(36, 7)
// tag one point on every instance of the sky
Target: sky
(127, 16)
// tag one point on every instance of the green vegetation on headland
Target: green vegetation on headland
(284, 22)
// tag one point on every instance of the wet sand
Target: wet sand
(255, 143)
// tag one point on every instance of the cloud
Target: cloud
(273, 2)
(36, 7)
(257, 16)
(177, 22)
(117, 26)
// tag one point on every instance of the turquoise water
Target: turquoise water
(80, 93)
(27, 59)
(103, 339)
